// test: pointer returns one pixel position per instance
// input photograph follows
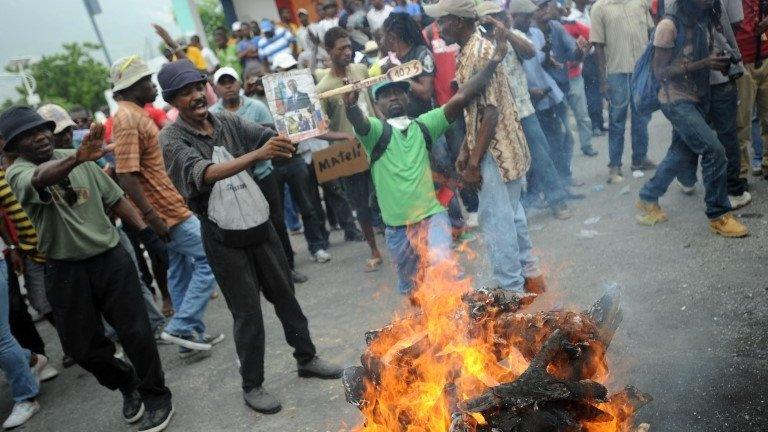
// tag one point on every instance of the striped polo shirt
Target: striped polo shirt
(270, 47)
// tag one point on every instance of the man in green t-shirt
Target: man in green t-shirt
(88, 273)
(400, 166)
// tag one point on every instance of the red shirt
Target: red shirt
(746, 36)
(575, 29)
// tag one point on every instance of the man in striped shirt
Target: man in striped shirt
(273, 41)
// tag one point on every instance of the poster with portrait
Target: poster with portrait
(292, 99)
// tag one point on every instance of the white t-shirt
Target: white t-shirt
(210, 58)
(376, 18)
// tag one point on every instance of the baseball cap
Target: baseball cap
(522, 7)
(126, 71)
(302, 11)
(225, 71)
(459, 8)
(283, 60)
(389, 84)
(236, 26)
(488, 8)
(56, 114)
(18, 119)
(176, 75)
(266, 25)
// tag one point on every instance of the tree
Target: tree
(212, 16)
(71, 77)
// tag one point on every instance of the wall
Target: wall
(249, 10)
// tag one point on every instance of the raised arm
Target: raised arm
(521, 45)
(355, 114)
(51, 172)
(478, 82)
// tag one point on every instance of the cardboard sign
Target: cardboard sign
(339, 160)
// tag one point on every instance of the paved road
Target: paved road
(694, 333)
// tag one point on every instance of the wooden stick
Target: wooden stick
(397, 73)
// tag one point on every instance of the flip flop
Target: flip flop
(372, 265)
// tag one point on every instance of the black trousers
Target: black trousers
(336, 203)
(80, 293)
(271, 191)
(294, 173)
(243, 274)
(22, 326)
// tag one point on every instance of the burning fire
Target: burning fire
(423, 367)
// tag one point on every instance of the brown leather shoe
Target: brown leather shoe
(535, 285)
(728, 226)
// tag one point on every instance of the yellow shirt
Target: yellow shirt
(195, 55)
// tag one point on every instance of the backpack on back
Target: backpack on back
(644, 86)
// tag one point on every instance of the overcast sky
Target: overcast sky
(38, 27)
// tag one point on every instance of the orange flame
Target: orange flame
(430, 361)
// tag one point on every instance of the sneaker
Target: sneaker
(561, 212)
(472, 221)
(260, 401)
(211, 339)
(645, 165)
(688, 190)
(156, 420)
(133, 406)
(319, 368)
(48, 373)
(589, 151)
(158, 337)
(739, 201)
(321, 256)
(40, 366)
(757, 169)
(614, 175)
(650, 213)
(22, 411)
(535, 285)
(728, 226)
(186, 341)
(119, 353)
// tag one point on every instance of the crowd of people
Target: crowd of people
(107, 216)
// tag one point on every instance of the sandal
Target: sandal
(372, 265)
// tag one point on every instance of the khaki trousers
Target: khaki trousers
(753, 92)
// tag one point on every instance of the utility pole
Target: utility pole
(93, 8)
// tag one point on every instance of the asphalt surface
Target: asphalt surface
(695, 317)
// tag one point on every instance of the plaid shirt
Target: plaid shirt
(137, 151)
(508, 145)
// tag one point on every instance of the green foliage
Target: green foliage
(71, 77)
(212, 16)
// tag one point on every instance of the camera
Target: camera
(736, 69)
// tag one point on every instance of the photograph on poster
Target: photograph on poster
(292, 99)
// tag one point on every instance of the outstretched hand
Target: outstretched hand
(93, 147)
(277, 147)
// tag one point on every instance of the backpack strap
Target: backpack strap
(382, 143)
(427, 136)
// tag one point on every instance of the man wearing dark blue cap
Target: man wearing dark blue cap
(88, 274)
(245, 262)
(398, 149)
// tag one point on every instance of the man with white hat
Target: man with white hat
(141, 172)
(227, 84)
(62, 134)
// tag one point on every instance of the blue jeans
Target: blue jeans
(543, 174)
(190, 279)
(560, 146)
(723, 103)
(505, 228)
(291, 214)
(436, 230)
(620, 105)
(14, 360)
(692, 137)
(444, 163)
(577, 100)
